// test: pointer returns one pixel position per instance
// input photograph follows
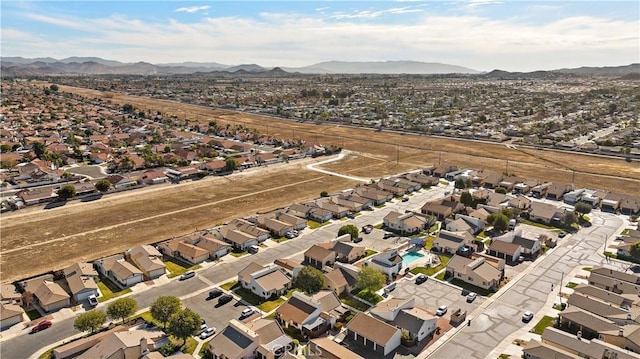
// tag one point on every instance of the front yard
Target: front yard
(110, 290)
(472, 288)
(261, 303)
(432, 270)
(314, 225)
(176, 268)
(545, 322)
(354, 303)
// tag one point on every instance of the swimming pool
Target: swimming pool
(410, 257)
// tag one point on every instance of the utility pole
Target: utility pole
(397, 154)
(560, 290)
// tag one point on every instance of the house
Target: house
(373, 333)
(77, 347)
(191, 253)
(120, 271)
(10, 315)
(336, 210)
(407, 223)
(630, 205)
(350, 205)
(320, 215)
(573, 197)
(50, 296)
(290, 266)
(319, 256)
(37, 195)
(325, 348)
(376, 195)
(442, 208)
(463, 222)
(626, 337)
(238, 238)
(276, 227)
(475, 271)
(264, 282)
(148, 259)
(81, 279)
(540, 191)
(298, 223)
(130, 344)
(510, 252)
(312, 315)
(388, 262)
(250, 228)
(364, 203)
(216, 248)
(347, 252)
(260, 338)
(153, 176)
(519, 202)
(530, 247)
(620, 316)
(492, 180)
(615, 281)
(404, 315)
(556, 191)
(300, 210)
(546, 213)
(589, 324)
(559, 344)
(452, 242)
(342, 279)
(9, 294)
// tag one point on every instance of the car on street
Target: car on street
(351, 215)
(471, 297)
(187, 275)
(562, 234)
(41, 326)
(366, 229)
(247, 312)
(527, 316)
(215, 293)
(93, 300)
(421, 278)
(207, 333)
(388, 235)
(405, 199)
(357, 240)
(441, 310)
(224, 299)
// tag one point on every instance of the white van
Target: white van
(187, 275)
(512, 224)
(254, 249)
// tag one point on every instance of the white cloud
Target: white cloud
(276, 39)
(193, 9)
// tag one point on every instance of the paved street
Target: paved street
(501, 314)
(23, 346)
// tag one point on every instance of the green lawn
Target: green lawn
(572, 285)
(230, 285)
(314, 224)
(369, 252)
(546, 321)
(441, 275)
(271, 305)
(189, 347)
(204, 350)
(536, 224)
(380, 206)
(435, 227)
(588, 269)
(33, 314)
(370, 297)
(47, 355)
(471, 287)
(354, 303)
(378, 226)
(432, 270)
(238, 254)
(110, 290)
(279, 239)
(625, 232)
(428, 242)
(176, 268)
(147, 317)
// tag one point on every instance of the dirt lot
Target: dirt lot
(85, 231)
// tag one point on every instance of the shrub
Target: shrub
(338, 326)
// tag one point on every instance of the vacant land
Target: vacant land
(85, 231)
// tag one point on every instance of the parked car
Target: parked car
(207, 333)
(224, 299)
(471, 297)
(351, 215)
(388, 235)
(367, 229)
(421, 278)
(203, 327)
(187, 275)
(247, 312)
(357, 240)
(93, 301)
(253, 249)
(405, 199)
(215, 293)
(441, 310)
(41, 326)
(562, 234)
(527, 316)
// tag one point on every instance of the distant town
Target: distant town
(376, 258)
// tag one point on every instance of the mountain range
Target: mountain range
(19, 66)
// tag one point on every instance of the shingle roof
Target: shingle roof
(372, 328)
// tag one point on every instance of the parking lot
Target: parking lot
(433, 293)
(214, 315)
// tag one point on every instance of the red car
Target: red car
(41, 326)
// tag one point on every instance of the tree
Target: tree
(231, 164)
(466, 198)
(164, 307)
(54, 87)
(569, 218)
(184, 324)
(122, 308)
(350, 229)
(370, 279)
(499, 221)
(460, 184)
(500, 190)
(39, 148)
(309, 279)
(635, 251)
(324, 194)
(66, 192)
(103, 185)
(127, 108)
(90, 321)
(582, 208)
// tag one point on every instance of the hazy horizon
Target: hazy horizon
(482, 35)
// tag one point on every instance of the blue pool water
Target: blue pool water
(410, 257)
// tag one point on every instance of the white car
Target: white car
(441, 310)
(93, 301)
(247, 312)
(527, 316)
(207, 333)
(471, 297)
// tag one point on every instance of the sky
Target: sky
(479, 34)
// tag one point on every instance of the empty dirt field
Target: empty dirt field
(36, 240)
